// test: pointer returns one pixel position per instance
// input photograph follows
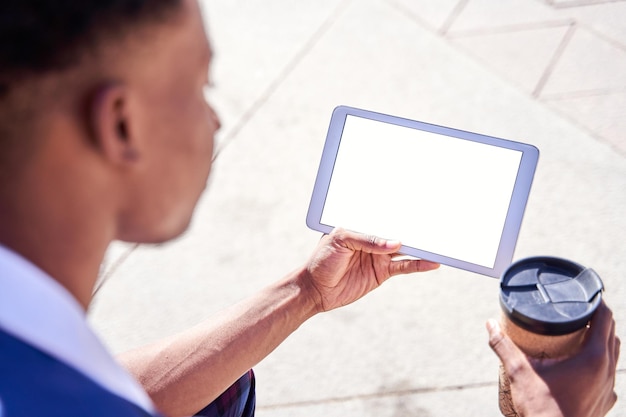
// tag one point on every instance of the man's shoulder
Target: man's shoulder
(35, 383)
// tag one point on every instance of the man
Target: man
(105, 134)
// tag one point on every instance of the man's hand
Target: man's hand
(581, 386)
(345, 266)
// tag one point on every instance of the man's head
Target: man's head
(102, 102)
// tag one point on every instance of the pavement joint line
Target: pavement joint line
(580, 3)
(409, 14)
(384, 394)
(447, 24)
(110, 270)
(520, 27)
(558, 53)
(568, 95)
(614, 42)
(291, 65)
(588, 130)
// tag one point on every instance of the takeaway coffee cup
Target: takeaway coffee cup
(546, 305)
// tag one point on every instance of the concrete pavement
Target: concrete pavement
(550, 73)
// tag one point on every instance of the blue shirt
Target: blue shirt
(50, 356)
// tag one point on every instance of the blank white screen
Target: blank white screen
(432, 192)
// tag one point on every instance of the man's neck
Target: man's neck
(65, 236)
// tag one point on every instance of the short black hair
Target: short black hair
(38, 36)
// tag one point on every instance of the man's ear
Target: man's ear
(110, 117)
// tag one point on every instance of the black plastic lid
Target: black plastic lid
(550, 296)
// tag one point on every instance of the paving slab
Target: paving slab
(446, 402)
(417, 346)
(605, 18)
(479, 15)
(520, 55)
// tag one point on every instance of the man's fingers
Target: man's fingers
(408, 266)
(365, 243)
(512, 358)
(602, 331)
(379, 246)
(602, 323)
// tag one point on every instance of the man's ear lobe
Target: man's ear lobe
(110, 119)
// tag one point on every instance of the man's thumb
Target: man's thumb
(512, 358)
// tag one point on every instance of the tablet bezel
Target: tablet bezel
(517, 203)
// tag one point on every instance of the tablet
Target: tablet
(449, 196)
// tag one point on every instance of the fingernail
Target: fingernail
(390, 244)
(493, 326)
